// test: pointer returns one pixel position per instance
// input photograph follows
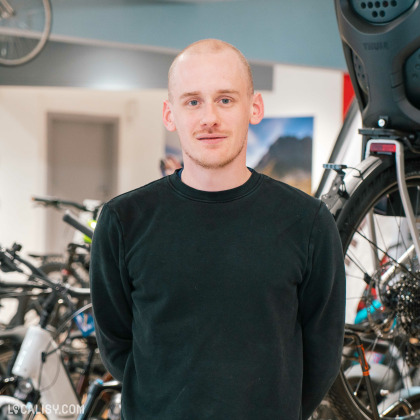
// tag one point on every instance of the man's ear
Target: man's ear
(257, 109)
(168, 119)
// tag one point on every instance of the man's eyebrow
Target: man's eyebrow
(188, 94)
(220, 91)
(229, 91)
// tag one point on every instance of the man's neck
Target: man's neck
(218, 179)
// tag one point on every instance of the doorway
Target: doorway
(82, 164)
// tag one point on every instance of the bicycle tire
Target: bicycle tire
(23, 33)
(77, 276)
(347, 397)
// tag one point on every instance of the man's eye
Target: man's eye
(194, 102)
(226, 101)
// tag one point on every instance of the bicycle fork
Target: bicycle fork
(365, 371)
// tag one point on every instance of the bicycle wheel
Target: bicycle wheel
(374, 235)
(76, 275)
(24, 29)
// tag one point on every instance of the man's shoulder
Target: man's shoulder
(141, 195)
(289, 195)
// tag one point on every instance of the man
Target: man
(218, 292)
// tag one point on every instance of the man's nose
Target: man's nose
(210, 116)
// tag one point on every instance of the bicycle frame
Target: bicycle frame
(7, 10)
(395, 147)
(29, 359)
(40, 373)
(39, 361)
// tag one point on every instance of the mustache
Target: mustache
(210, 133)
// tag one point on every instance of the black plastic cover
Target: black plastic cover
(381, 41)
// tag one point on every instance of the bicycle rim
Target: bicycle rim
(25, 26)
(375, 235)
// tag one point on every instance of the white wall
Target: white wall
(23, 132)
(309, 92)
(23, 148)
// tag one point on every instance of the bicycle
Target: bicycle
(59, 269)
(74, 267)
(25, 26)
(37, 379)
(377, 210)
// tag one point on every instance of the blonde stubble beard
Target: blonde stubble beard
(217, 165)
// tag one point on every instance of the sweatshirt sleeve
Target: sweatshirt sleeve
(322, 310)
(110, 290)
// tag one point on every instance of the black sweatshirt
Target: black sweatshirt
(221, 305)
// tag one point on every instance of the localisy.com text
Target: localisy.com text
(62, 409)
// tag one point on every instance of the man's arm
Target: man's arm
(110, 290)
(322, 309)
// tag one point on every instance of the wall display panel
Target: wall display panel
(282, 149)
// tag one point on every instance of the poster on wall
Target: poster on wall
(282, 149)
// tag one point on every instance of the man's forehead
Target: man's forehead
(193, 70)
(201, 58)
(198, 66)
(185, 86)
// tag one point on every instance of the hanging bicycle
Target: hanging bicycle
(25, 26)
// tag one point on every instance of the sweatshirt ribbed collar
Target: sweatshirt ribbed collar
(215, 196)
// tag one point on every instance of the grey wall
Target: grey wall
(99, 67)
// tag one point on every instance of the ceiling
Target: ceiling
(302, 32)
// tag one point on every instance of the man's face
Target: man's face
(211, 106)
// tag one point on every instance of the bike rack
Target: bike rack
(405, 199)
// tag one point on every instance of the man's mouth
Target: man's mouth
(211, 138)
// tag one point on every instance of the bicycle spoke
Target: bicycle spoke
(374, 245)
(24, 32)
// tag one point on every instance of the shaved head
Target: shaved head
(208, 46)
(210, 105)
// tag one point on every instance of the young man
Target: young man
(218, 292)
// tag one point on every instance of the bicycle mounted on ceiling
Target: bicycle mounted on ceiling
(377, 210)
(25, 27)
